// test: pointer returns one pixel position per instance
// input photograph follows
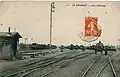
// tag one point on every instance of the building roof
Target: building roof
(11, 34)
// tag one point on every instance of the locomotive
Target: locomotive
(99, 47)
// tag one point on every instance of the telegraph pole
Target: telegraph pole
(52, 9)
(118, 48)
(14, 29)
(26, 40)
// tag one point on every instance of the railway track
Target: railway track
(97, 67)
(30, 67)
(33, 66)
(25, 66)
(63, 64)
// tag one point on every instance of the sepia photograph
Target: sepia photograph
(59, 39)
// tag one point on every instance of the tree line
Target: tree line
(35, 46)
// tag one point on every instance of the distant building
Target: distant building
(8, 44)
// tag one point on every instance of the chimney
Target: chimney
(9, 29)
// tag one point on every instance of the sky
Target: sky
(32, 20)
